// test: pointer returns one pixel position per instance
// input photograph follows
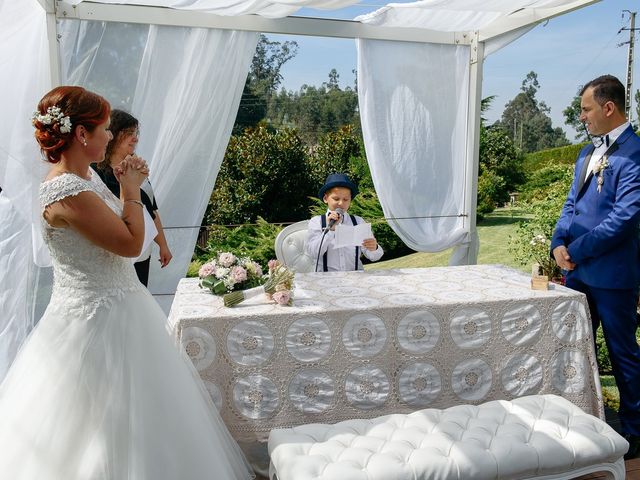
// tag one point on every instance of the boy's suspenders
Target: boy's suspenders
(323, 222)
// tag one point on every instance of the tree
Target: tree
(339, 151)
(572, 118)
(315, 111)
(263, 81)
(264, 173)
(500, 169)
(526, 119)
(332, 84)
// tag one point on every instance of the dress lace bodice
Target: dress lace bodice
(81, 269)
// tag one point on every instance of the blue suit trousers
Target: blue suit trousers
(615, 310)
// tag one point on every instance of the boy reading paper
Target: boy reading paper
(322, 243)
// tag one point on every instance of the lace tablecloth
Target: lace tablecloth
(364, 344)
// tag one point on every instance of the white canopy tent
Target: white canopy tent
(180, 65)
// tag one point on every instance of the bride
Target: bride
(98, 391)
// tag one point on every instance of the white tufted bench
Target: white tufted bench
(535, 437)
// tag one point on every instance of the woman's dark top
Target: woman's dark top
(112, 183)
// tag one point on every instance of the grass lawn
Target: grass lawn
(494, 231)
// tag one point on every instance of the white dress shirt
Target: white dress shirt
(602, 149)
(341, 259)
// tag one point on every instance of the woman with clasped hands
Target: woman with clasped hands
(125, 129)
(98, 391)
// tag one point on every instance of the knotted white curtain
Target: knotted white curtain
(187, 98)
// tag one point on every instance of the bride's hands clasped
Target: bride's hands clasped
(131, 171)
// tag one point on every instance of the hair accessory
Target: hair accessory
(135, 201)
(54, 115)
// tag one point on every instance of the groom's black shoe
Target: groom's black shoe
(634, 447)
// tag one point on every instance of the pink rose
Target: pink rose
(258, 269)
(272, 264)
(238, 274)
(282, 297)
(226, 259)
(207, 269)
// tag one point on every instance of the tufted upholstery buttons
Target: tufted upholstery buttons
(289, 247)
(534, 437)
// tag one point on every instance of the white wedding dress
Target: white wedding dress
(99, 391)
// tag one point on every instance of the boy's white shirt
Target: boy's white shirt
(339, 258)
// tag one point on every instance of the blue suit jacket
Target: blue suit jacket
(600, 229)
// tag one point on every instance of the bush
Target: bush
(500, 163)
(611, 398)
(339, 152)
(264, 173)
(562, 155)
(194, 267)
(545, 213)
(255, 241)
(490, 185)
(544, 179)
(602, 354)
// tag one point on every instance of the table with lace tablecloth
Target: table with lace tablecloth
(365, 344)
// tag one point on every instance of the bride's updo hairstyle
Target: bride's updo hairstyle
(59, 113)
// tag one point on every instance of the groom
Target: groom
(596, 237)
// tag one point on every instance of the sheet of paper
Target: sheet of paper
(352, 236)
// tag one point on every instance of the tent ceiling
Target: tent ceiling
(434, 21)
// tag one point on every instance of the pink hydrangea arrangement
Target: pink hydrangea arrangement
(278, 286)
(228, 272)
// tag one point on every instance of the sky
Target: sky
(565, 52)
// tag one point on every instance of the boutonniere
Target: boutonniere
(598, 171)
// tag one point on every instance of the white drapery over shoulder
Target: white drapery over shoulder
(413, 108)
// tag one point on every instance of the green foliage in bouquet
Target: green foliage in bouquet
(227, 272)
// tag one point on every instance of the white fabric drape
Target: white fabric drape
(24, 75)
(266, 8)
(187, 98)
(184, 86)
(413, 108)
(459, 15)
